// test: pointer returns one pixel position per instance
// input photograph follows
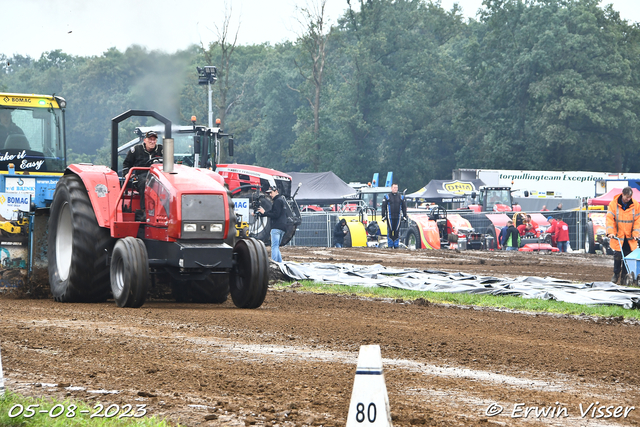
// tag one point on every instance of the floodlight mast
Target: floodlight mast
(208, 75)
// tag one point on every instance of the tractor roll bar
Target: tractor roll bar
(168, 157)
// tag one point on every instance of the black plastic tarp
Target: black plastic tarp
(443, 191)
(321, 188)
(595, 293)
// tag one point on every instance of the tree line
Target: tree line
(395, 85)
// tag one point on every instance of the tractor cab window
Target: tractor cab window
(369, 200)
(183, 146)
(495, 197)
(373, 200)
(32, 139)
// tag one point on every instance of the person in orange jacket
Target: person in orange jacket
(623, 222)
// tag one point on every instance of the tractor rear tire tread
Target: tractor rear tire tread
(88, 278)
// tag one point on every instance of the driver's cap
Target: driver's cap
(151, 134)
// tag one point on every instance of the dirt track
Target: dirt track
(292, 361)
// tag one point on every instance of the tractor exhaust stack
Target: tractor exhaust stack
(167, 155)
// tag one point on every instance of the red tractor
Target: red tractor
(493, 199)
(186, 236)
(199, 146)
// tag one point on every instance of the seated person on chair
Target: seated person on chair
(7, 127)
(139, 156)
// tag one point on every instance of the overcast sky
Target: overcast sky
(90, 27)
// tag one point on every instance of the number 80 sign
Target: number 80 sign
(369, 400)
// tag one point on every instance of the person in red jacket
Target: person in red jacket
(560, 232)
(523, 229)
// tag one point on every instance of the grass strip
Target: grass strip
(496, 301)
(18, 410)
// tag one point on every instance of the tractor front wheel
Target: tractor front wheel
(249, 278)
(78, 246)
(129, 272)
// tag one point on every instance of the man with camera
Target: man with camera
(278, 215)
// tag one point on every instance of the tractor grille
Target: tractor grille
(203, 216)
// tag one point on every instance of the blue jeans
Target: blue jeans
(511, 248)
(393, 243)
(562, 246)
(276, 238)
(338, 245)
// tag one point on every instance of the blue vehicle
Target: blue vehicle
(32, 160)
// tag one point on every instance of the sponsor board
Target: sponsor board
(20, 185)
(459, 187)
(241, 207)
(11, 203)
(567, 184)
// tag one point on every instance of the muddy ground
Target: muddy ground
(292, 361)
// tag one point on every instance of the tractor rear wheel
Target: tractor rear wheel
(629, 279)
(261, 227)
(413, 238)
(129, 272)
(590, 239)
(493, 242)
(249, 278)
(288, 235)
(78, 246)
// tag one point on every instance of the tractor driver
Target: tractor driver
(141, 155)
(394, 209)
(7, 127)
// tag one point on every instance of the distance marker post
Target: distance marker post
(369, 400)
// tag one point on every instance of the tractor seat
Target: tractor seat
(16, 142)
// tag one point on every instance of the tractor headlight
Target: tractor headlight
(215, 228)
(189, 228)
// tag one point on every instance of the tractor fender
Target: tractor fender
(103, 187)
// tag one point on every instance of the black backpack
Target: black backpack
(291, 217)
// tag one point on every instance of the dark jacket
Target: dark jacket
(278, 214)
(139, 156)
(338, 232)
(511, 237)
(394, 206)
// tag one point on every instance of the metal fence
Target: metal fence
(317, 227)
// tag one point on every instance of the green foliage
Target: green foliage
(406, 86)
